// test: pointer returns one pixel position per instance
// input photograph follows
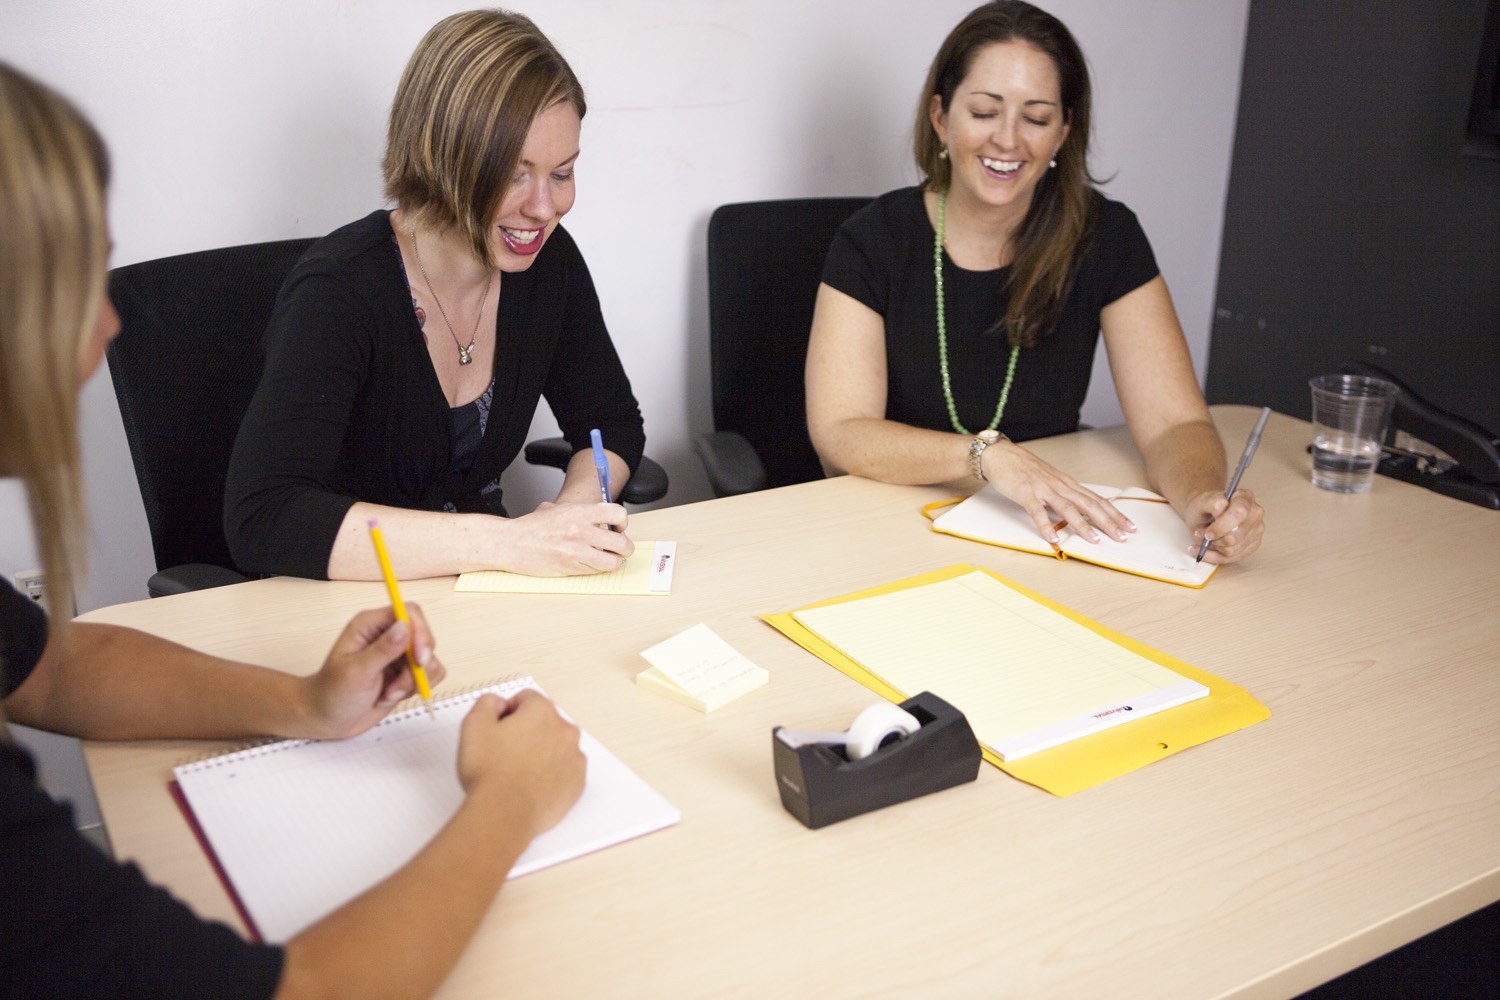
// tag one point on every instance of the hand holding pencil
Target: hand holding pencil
(365, 675)
(419, 675)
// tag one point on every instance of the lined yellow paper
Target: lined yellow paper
(647, 572)
(1090, 760)
(1015, 668)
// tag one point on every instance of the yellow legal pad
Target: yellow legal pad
(647, 572)
(1064, 769)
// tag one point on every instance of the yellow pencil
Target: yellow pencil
(417, 673)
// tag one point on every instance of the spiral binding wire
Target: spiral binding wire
(507, 685)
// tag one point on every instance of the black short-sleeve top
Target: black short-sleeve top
(73, 923)
(882, 256)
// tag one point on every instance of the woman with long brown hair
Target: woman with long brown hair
(73, 923)
(960, 316)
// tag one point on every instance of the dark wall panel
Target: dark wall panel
(1355, 227)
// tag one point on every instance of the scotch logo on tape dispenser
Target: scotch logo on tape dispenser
(889, 754)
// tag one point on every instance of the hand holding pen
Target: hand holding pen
(1251, 444)
(601, 468)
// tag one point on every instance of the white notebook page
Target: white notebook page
(302, 826)
(1162, 546)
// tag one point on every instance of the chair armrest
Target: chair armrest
(647, 485)
(191, 576)
(555, 453)
(732, 465)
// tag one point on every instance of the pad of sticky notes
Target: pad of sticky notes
(700, 670)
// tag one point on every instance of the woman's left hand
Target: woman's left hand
(1236, 526)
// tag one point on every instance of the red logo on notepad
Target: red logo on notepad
(1122, 708)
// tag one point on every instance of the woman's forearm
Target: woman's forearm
(1185, 461)
(892, 452)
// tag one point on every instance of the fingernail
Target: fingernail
(399, 632)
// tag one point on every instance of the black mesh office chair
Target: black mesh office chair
(765, 260)
(186, 362)
(184, 366)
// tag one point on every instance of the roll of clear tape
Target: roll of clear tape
(871, 730)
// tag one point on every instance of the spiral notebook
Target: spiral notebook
(297, 828)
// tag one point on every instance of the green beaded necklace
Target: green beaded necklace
(942, 325)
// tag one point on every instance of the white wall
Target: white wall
(235, 122)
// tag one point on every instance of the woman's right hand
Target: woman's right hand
(523, 755)
(1019, 475)
(568, 539)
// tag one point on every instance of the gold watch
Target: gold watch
(982, 440)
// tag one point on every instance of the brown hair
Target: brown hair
(54, 248)
(465, 104)
(1050, 239)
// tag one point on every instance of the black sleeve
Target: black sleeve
(586, 385)
(75, 924)
(23, 638)
(858, 259)
(1126, 261)
(281, 510)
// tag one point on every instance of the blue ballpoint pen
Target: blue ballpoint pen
(601, 465)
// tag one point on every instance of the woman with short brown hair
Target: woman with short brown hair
(408, 350)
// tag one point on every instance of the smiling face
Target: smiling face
(541, 191)
(1002, 127)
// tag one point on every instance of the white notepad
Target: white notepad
(300, 827)
(1162, 547)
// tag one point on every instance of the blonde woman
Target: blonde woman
(960, 317)
(409, 350)
(72, 922)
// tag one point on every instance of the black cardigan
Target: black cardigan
(349, 408)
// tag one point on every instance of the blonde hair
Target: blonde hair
(463, 109)
(54, 246)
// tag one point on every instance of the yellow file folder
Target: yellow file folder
(1089, 760)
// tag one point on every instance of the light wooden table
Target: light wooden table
(1363, 814)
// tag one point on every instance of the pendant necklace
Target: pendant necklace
(942, 327)
(465, 354)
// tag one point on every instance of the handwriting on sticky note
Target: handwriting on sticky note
(700, 669)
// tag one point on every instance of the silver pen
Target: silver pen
(1251, 443)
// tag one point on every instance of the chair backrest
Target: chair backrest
(765, 260)
(184, 366)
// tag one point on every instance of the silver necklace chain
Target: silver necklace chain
(465, 354)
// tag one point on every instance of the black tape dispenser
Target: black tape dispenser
(890, 754)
